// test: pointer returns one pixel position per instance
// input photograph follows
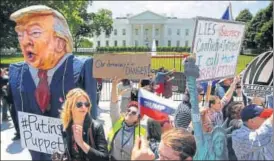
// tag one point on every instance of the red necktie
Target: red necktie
(42, 93)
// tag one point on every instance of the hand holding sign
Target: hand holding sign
(190, 68)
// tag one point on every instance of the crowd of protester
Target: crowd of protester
(249, 135)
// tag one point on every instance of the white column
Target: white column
(130, 36)
(142, 35)
(153, 32)
(164, 35)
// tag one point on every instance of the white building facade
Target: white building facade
(141, 29)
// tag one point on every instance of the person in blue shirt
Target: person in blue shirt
(40, 83)
(160, 80)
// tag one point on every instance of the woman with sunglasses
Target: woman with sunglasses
(84, 137)
(125, 127)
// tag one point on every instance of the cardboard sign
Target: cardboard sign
(40, 133)
(135, 66)
(216, 45)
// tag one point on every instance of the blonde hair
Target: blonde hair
(60, 25)
(71, 98)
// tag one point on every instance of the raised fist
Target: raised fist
(190, 68)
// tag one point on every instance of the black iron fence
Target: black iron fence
(176, 94)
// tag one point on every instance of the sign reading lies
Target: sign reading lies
(40, 133)
(216, 45)
(131, 66)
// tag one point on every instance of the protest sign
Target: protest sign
(40, 133)
(216, 45)
(131, 66)
(257, 80)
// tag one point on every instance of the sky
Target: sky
(180, 9)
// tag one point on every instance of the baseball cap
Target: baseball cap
(253, 110)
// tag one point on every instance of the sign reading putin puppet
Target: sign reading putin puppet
(135, 66)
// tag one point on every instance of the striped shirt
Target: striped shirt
(217, 118)
(253, 145)
(182, 116)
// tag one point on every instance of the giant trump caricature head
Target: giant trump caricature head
(43, 34)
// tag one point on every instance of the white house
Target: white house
(141, 29)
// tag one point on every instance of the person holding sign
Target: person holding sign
(84, 137)
(40, 83)
(125, 127)
(216, 104)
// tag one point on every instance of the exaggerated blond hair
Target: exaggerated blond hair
(70, 103)
(60, 25)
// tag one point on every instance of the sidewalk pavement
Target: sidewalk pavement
(12, 150)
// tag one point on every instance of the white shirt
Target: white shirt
(50, 73)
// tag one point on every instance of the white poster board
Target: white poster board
(40, 133)
(216, 45)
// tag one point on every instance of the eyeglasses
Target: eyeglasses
(201, 94)
(132, 112)
(80, 104)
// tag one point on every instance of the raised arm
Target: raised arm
(228, 95)
(192, 72)
(114, 107)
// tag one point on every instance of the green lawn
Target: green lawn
(168, 63)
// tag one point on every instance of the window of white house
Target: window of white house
(169, 43)
(115, 43)
(178, 43)
(186, 44)
(124, 31)
(107, 44)
(136, 42)
(98, 44)
(169, 31)
(178, 31)
(157, 32)
(107, 36)
(187, 32)
(146, 32)
(115, 31)
(136, 32)
(124, 42)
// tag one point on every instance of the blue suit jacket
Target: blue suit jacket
(77, 72)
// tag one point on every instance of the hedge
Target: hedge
(142, 49)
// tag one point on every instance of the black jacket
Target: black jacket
(97, 152)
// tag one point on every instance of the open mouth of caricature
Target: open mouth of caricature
(30, 56)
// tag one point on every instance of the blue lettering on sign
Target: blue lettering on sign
(156, 106)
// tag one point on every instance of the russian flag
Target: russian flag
(228, 13)
(155, 107)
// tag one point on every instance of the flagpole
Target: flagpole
(230, 9)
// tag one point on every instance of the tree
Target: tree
(259, 34)
(264, 37)
(85, 43)
(244, 16)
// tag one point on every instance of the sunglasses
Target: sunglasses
(132, 112)
(80, 104)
